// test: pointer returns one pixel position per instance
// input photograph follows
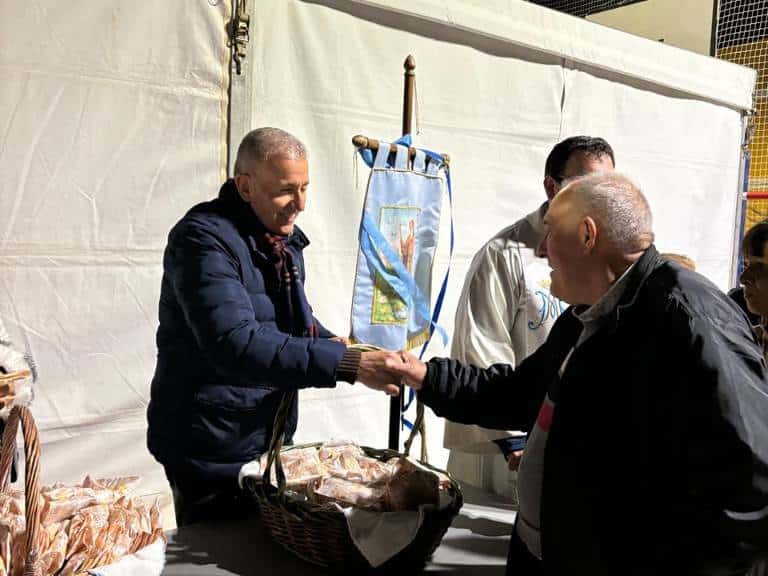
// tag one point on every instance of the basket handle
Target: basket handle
(276, 443)
(419, 427)
(32, 565)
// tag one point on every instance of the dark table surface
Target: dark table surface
(476, 544)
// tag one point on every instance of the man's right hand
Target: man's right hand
(376, 371)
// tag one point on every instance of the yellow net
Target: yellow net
(742, 38)
(757, 209)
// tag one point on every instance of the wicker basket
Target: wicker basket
(32, 565)
(318, 533)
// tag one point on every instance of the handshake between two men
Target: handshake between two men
(386, 371)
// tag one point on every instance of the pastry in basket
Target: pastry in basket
(12, 544)
(443, 481)
(342, 461)
(411, 486)
(120, 485)
(11, 502)
(300, 466)
(63, 502)
(348, 461)
(56, 551)
(373, 471)
(347, 493)
(88, 529)
(335, 450)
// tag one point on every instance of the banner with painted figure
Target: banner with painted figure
(398, 240)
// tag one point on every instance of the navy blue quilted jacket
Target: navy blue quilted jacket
(222, 363)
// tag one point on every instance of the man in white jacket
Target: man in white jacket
(505, 312)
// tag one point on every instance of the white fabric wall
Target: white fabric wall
(683, 153)
(112, 123)
(329, 70)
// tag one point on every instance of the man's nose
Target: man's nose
(300, 200)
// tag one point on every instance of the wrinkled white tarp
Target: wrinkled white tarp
(495, 93)
(113, 123)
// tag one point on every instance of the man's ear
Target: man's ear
(243, 184)
(588, 232)
(551, 187)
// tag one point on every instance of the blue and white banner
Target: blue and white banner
(398, 240)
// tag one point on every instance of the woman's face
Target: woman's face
(754, 278)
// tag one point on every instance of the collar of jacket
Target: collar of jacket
(249, 224)
(637, 277)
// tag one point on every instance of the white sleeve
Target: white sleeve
(488, 307)
(483, 330)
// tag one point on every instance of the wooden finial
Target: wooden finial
(410, 64)
(360, 141)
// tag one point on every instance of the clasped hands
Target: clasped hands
(387, 371)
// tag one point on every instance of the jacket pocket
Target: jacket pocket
(238, 399)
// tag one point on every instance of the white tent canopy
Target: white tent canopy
(497, 106)
(109, 136)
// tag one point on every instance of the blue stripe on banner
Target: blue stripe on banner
(441, 294)
(383, 259)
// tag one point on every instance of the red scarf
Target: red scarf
(294, 314)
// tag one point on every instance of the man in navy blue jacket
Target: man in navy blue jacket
(236, 332)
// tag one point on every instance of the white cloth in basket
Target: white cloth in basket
(149, 561)
(380, 535)
(377, 535)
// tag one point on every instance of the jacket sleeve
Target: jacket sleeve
(322, 331)
(206, 279)
(499, 396)
(728, 387)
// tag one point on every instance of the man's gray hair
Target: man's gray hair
(263, 143)
(620, 208)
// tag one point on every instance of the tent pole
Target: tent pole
(396, 402)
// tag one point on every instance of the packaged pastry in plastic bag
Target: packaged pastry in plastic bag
(300, 467)
(411, 486)
(54, 554)
(347, 493)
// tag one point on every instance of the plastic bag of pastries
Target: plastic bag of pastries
(347, 493)
(300, 466)
(88, 530)
(411, 486)
(12, 543)
(54, 553)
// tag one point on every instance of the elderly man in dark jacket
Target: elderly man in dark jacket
(236, 331)
(655, 366)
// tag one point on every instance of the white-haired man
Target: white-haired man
(506, 311)
(655, 366)
(236, 331)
